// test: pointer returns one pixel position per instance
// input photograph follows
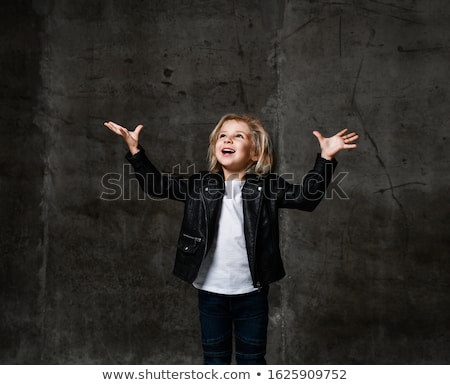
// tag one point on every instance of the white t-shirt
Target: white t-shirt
(225, 269)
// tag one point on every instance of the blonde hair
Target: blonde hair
(262, 144)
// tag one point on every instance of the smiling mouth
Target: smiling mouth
(228, 151)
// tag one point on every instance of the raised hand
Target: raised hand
(131, 137)
(332, 145)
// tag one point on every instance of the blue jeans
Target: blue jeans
(248, 313)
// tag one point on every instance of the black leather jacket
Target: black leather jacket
(262, 196)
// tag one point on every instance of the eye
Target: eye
(222, 135)
(239, 136)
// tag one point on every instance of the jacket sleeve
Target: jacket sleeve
(307, 195)
(155, 183)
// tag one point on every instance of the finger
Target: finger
(138, 129)
(112, 125)
(351, 138)
(107, 124)
(350, 135)
(318, 135)
(117, 126)
(342, 132)
(123, 131)
(120, 130)
(112, 128)
(348, 146)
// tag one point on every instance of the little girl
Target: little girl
(228, 246)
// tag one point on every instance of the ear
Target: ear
(255, 157)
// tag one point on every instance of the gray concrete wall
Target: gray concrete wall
(88, 280)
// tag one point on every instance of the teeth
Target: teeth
(226, 151)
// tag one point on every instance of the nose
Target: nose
(227, 139)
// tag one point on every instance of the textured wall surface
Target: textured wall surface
(88, 280)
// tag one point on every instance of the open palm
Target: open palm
(131, 137)
(332, 145)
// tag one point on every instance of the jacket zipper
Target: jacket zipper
(256, 280)
(196, 239)
(206, 225)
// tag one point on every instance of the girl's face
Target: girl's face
(234, 149)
